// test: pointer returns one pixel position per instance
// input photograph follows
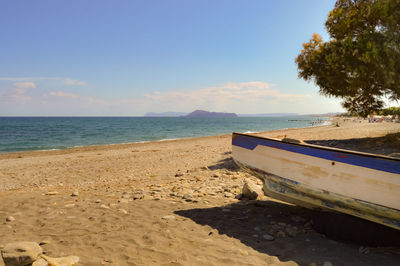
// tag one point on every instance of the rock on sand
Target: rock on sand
(63, 261)
(251, 190)
(20, 253)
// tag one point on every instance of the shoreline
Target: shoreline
(100, 146)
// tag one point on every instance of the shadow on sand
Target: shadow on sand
(249, 221)
(227, 164)
(380, 145)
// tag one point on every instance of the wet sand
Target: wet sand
(172, 203)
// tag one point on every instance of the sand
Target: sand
(171, 203)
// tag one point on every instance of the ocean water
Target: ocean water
(46, 133)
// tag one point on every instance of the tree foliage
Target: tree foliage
(394, 111)
(360, 63)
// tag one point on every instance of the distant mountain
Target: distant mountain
(268, 115)
(202, 113)
(165, 114)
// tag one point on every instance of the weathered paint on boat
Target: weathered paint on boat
(360, 184)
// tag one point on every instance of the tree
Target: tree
(394, 111)
(361, 62)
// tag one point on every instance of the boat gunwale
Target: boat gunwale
(373, 155)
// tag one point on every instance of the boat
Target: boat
(324, 178)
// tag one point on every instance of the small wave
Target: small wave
(42, 150)
(326, 123)
(165, 139)
(320, 123)
(252, 132)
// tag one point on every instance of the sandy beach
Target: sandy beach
(173, 203)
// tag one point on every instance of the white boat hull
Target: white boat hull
(318, 177)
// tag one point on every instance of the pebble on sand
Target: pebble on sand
(243, 252)
(123, 200)
(10, 219)
(168, 217)
(40, 262)
(123, 211)
(280, 234)
(44, 242)
(75, 194)
(187, 197)
(70, 260)
(239, 196)
(268, 237)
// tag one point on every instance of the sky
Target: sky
(126, 58)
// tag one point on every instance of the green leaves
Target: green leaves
(361, 61)
(394, 111)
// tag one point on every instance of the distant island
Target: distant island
(165, 114)
(202, 113)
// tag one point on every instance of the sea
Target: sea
(50, 133)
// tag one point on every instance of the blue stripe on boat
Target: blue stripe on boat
(381, 164)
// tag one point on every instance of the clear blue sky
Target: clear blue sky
(94, 57)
